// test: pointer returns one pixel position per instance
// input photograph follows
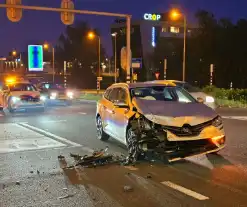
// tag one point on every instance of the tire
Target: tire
(133, 146)
(101, 135)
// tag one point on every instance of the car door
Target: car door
(107, 110)
(119, 115)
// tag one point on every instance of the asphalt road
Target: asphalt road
(31, 175)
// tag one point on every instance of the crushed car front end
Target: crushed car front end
(176, 130)
(179, 142)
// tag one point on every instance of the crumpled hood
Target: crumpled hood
(174, 113)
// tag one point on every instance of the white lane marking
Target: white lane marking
(17, 145)
(53, 121)
(50, 134)
(243, 118)
(15, 138)
(186, 191)
(82, 113)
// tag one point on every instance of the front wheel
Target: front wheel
(133, 146)
(101, 135)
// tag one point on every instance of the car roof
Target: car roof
(141, 84)
(167, 81)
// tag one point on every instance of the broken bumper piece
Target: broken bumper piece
(180, 150)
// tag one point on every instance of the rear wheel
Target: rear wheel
(100, 131)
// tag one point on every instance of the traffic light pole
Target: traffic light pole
(74, 11)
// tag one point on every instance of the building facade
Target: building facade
(148, 34)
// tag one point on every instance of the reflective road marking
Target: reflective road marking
(82, 113)
(185, 191)
(49, 134)
(14, 138)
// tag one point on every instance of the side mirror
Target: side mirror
(200, 100)
(121, 104)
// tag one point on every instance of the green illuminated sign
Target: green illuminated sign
(35, 57)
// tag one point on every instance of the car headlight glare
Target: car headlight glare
(209, 99)
(70, 94)
(217, 121)
(53, 95)
(15, 99)
(42, 98)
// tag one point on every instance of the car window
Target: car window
(22, 87)
(162, 93)
(191, 88)
(113, 96)
(107, 93)
(122, 96)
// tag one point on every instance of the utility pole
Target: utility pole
(53, 64)
(165, 68)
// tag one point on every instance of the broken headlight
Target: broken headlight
(217, 121)
(144, 124)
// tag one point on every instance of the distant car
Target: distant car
(159, 117)
(197, 93)
(56, 93)
(21, 95)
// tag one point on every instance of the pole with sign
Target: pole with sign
(98, 84)
(165, 68)
(64, 74)
(211, 74)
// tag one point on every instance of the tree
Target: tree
(74, 46)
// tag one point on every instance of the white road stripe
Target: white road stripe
(185, 191)
(82, 113)
(243, 118)
(50, 134)
(53, 121)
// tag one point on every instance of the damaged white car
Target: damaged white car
(162, 118)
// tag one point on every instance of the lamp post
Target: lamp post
(46, 46)
(115, 54)
(175, 14)
(91, 35)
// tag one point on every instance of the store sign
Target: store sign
(152, 17)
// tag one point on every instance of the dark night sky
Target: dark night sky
(36, 26)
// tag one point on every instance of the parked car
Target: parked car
(197, 93)
(158, 117)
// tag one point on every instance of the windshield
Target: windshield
(22, 87)
(163, 93)
(188, 87)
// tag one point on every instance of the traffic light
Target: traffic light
(67, 17)
(13, 14)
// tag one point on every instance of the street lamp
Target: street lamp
(14, 53)
(115, 54)
(175, 15)
(91, 35)
(46, 47)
